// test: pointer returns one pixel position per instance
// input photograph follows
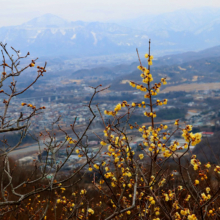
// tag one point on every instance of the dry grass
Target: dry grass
(180, 68)
(192, 87)
(195, 78)
(193, 110)
(77, 81)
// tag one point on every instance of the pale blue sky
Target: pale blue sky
(14, 12)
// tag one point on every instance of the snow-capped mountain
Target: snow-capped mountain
(51, 35)
(179, 31)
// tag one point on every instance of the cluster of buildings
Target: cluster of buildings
(70, 104)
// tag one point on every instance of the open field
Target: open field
(192, 87)
(77, 81)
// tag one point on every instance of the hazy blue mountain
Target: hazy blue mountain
(51, 35)
(174, 32)
(184, 29)
(180, 20)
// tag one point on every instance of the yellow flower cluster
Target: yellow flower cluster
(83, 191)
(141, 88)
(162, 103)
(180, 188)
(208, 165)
(161, 183)
(91, 211)
(190, 137)
(177, 216)
(204, 197)
(196, 163)
(150, 114)
(192, 217)
(217, 169)
(116, 109)
(109, 175)
(166, 197)
(141, 156)
(103, 143)
(184, 211)
(151, 200)
(71, 141)
(167, 153)
(187, 198)
(163, 80)
(150, 58)
(96, 166)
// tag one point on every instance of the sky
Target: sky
(15, 12)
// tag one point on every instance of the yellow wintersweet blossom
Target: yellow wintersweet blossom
(190, 137)
(133, 104)
(83, 191)
(207, 189)
(192, 217)
(166, 197)
(167, 153)
(116, 159)
(118, 107)
(58, 201)
(196, 182)
(180, 188)
(165, 127)
(96, 166)
(132, 84)
(163, 80)
(217, 169)
(91, 211)
(176, 122)
(101, 181)
(208, 165)
(187, 198)
(141, 156)
(102, 143)
(184, 212)
(150, 63)
(161, 183)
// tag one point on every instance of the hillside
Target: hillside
(199, 71)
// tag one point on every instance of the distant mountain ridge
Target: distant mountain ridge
(205, 63)
(49, 35)
(191, 20)
(175, 32)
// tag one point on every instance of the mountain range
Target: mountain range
(174, 32)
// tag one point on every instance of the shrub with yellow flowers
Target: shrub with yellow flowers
(160, 180)
(139, 182)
